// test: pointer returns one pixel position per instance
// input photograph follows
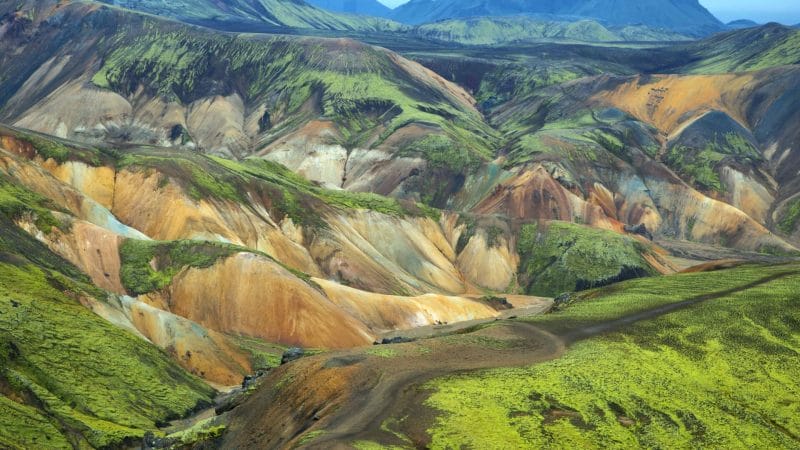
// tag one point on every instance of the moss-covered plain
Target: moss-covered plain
(718, 374)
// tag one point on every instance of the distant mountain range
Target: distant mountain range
(497, 30)
(260, 15)
(364, 7)
(741, 23)
(685, 16)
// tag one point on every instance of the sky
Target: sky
(784, 11)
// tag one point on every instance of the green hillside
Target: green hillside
(717, 374)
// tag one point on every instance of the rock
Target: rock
(396, 340)
(562, 299)
(248, 381)
(291, 355)
(498, 303)
(640, 229)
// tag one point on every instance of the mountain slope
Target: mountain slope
(372, 112)
(495, 30)
(69, 378)
(749, 49)
(361, 7)
(260, 14)
(741, 23)
(686, 16)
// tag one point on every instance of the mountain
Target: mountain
(374, 114)
(683, 16)
(495, 30)
(742, 23)
(212, 239)
(262, 15)
(350, 116)
(362, 7)
(756, 48)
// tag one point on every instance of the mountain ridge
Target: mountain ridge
(363, 7)
(682, 16)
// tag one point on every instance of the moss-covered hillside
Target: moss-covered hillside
(720, 373)
(559, 257)
(69, 378)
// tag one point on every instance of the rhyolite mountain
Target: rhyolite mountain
(685, 16)
(363, 7)
(361, 118)
(179, 205)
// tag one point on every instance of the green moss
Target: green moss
(198, 174)
(471, 226)
(700, 166)
(443, 153)
(370, 445)
(310, 437)
(82, 373)
(702, 377)
(56, 149)
(382, 352)
(756, 49)
(264, 355)
(526, 149)
(295, 192)
(515, 81)
(358, 89)
(564, 257)
(149, 266)
(202, 432)
(790, 218)
(17, 203)
(23, 427)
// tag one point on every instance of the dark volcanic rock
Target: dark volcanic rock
(292, 354)
(640, 229)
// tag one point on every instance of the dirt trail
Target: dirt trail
(382, 398)
(397, 393)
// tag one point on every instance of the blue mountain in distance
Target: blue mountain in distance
(686, 16)
(741, 23)
(362, 7)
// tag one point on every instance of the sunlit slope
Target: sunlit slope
(704, 375)
(69, 377)
(350, 112)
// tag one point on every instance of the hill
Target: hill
(596, 371)
(683, 16)
(238, 95)
(742, 23)
(362, 7)
(264, 15)
(769, 45)
(497, 30)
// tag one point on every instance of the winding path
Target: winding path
(389, 389)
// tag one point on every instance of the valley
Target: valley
(280, 224)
